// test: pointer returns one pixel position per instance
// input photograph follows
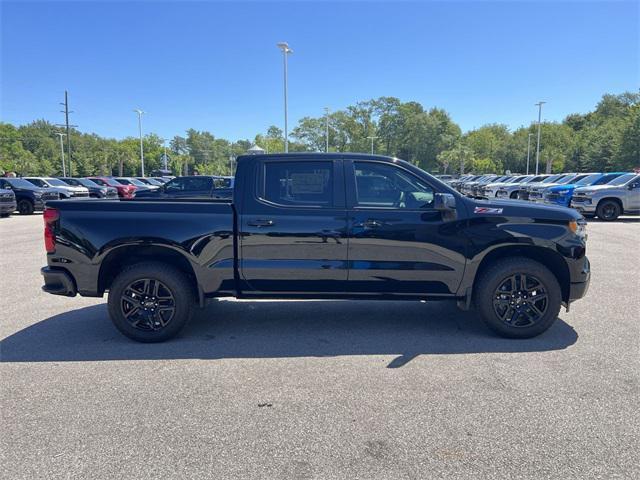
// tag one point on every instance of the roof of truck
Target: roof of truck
(317, 155)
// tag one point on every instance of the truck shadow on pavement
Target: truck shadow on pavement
(276, 329)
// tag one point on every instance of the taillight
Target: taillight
(50, 216)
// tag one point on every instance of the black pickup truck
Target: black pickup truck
(337, 226)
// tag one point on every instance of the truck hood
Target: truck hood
(594, 188)
(563, 188)
(521, 208)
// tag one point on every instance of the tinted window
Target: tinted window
(221, 183)
(299, 183)
(189, 184)
(607, 178)
(622, 179)
(381, 185)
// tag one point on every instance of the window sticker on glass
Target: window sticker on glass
(307, 183)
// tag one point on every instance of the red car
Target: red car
(124, 191)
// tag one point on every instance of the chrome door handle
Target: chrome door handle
(260, 222)
(369, 223)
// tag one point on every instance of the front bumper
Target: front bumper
(584, 207)
(578, 289)
(58, 282)
(8, 207)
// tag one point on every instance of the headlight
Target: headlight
(579, 227)
(37, 195)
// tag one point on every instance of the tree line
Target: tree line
(605, 139)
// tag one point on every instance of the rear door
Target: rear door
(398, 243)
(293, 227)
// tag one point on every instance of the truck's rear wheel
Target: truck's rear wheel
(608, 210)
(518, 297)
(151, 302)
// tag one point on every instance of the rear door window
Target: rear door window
(299, 183)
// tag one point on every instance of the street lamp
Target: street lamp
(539, 105)
(372, 139)
(60, 135)
(528, 151)
(284, 46)
(326, 114)
(140, 112)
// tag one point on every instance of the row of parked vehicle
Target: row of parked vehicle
(29, 194)
(605, 195)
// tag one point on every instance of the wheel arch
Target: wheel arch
(613, 199)
(128, 255)
(547, 257)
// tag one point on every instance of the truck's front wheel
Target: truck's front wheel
(151, 302)
(518, 297)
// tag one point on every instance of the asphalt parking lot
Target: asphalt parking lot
(320, 389)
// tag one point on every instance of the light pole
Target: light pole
(60, 135)
(140, 112)
(528, 151)
(539, 105)
(284, 46)
(372, 139)
(326, 114)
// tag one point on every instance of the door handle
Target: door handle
(369, 223)
(260, 222)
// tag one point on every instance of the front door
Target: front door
(293, 231)
(398, 243)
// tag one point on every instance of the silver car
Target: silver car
(620, 196)
(56, 185)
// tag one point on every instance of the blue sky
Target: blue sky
(214, 66)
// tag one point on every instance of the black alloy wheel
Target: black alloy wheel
(148, 304)
(25, 207)
(520, 300)
(608, 210)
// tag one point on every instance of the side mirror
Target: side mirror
(444, 202)
(633, 186)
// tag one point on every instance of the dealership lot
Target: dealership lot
(320, 389)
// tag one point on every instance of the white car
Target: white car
(56, 185)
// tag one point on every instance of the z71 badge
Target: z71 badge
(487, 210)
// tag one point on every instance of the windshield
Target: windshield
(577, 178)
(552, 178)
(55, 182)
(137, 182)
(86, 182)
(622, 179)
(606, 178)
(566, 179)
(20, 183)
(589, 179)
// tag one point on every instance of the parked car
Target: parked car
(150, 181)
(536, 194)
(620, 196)
(140, 186)
(523, 193)
(511, 190)
(199, 186)
(467, 188)
(95, 190)
(8, 203)
(478, 188)
(317, 226)
(561, 195)
(29, 198)
(124, 191)
(65, 190)
(457, 184)
(490, 190)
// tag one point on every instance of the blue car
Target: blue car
(561, 194)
